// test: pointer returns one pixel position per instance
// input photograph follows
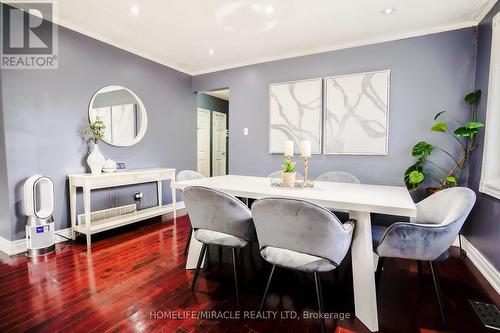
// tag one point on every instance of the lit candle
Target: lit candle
(288, 148)
(305, 148)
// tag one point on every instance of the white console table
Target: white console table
(89, 182)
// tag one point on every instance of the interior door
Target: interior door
(203, 135)
(219, 145)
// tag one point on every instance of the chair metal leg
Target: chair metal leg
(198, 265)
(219, 255)
(235, 277)
(319, 296)
(186, 247)
(267, 288)
(438, 291)
(420, 273)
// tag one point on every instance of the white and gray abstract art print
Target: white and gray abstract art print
(357, 113)
(295, 112)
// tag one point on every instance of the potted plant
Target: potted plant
(464, 135)
(288, 173)
(94, 133)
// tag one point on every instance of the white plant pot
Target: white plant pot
(288, 179)
(96, 160)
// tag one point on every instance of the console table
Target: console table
(89, 182)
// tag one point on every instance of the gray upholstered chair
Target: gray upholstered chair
(300, 235)
(218, 219)
(188, 175)
(277, 174)
(428, 236)
(338, 177)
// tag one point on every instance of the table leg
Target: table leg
(72, 208)
(159, 188)
(174, 199)
(194, 253)
(365, 297)
(86, 209)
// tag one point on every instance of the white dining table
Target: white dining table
(358, 199)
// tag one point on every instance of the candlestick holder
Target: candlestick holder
(307, 182)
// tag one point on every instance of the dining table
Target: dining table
(358, 199)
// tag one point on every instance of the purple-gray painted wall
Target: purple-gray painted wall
(45, 110)
(483, 227)
(428, 74)
(4, 193)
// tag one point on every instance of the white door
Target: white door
(219, 135)
(203, 135)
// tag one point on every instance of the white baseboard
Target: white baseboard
(19, 246)
(490, 273)
(5, 245)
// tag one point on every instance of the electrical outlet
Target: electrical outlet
(138, 196)
(245, 131)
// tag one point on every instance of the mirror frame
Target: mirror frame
(144, 115)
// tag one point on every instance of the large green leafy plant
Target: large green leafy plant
(464, 134)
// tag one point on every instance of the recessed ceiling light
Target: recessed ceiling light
(134, 9)
(211, 51)
(269, 9)
(388, 11)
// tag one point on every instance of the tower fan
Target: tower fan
(39, 207)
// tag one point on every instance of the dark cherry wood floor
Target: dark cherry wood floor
(134, 278)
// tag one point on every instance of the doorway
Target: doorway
(212, 132)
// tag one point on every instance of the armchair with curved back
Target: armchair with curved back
(338, 177)
(300, 235)
(429, 235)
(188, 175)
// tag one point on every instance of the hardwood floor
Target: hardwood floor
(133, 280)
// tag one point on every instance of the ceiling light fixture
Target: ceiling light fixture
(247, 16)
(388, 11)
(211, 51)
(135, 10)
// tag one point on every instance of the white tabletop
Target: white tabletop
(392, 200)
(120, 172)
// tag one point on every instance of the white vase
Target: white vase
(96, 160)
(288, 179)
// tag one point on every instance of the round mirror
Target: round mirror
(123, 114)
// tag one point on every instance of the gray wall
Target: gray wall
(5, 225)
(483, 227)
(45, 111)
(428, 74)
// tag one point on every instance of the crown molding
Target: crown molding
(391, 38)
(486, 9)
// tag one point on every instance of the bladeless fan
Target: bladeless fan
(39, 207)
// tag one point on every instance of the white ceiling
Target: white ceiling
(222, 94)
(180, 33)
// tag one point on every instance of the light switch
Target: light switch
(245, 131)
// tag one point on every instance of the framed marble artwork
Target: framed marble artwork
(356, 119)
(295, 113)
